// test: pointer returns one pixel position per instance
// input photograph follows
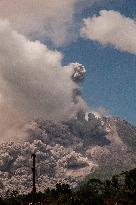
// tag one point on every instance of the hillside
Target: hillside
(68, 152)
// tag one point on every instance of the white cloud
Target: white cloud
(110, 27)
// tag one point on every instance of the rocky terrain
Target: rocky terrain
(68, 152)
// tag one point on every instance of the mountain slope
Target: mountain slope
(68, 151)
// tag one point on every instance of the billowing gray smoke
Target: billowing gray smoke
(79, 72)
(78, 75)
(33, 81)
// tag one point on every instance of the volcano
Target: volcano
(68, 151)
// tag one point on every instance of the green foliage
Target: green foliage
(120, 189)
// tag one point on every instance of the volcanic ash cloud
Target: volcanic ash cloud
(33, 81)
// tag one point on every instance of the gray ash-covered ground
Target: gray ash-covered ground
(68, 151)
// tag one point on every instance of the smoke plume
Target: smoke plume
(45, 19)
(33, 81)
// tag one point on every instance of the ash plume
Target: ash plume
(79, 72)
(45, 19)
(33, 81)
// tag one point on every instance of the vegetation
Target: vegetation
(119, 190)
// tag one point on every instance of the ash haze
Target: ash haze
(40, 19)
(41, 39)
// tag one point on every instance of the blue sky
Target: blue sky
(111, 74)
